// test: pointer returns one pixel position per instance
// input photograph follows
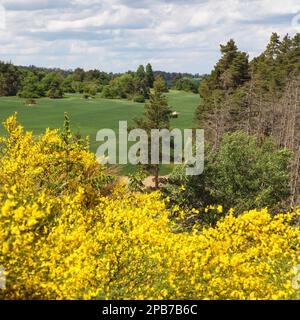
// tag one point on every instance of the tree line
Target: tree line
(250, 112)
(258, 96)
(33, 82)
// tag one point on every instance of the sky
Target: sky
(119, 35)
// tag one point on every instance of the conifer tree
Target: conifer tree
(157, 115)
(218, 101)
(149, 76)
(141, 86)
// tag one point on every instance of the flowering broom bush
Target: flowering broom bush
(63, 236)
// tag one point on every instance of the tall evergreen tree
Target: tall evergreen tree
(141, 85)
(217, 91)
(157, 115)
(140, 73)
(149, 76)
(273, 48)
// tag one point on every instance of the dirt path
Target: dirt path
(148, 182)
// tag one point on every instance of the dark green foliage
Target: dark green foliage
(255, 96)
(157, 112)
(38, 82)
(121, 87)
(51, 85)
(140, 73)
(141, 85)
(248, 176)
(217, 92)
(139, 98)
(10, 79)
(230, 72)
(149, 76)
(86, 96)
(242, 175)
(172, 77)
(34, 82)
(55, 92)
(31, 87)
(69, 84)
(131, 86)
(92, 89)
(273, 68)
(186, 84)
(157, 115)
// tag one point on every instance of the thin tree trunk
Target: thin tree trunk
(156, 177)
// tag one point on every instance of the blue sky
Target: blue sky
(118, 35)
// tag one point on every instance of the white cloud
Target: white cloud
(116, 16)
(117, 35)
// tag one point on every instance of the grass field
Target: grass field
(89, 116)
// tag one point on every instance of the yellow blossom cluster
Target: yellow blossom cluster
(60, 238)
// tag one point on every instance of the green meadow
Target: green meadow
(89, 116)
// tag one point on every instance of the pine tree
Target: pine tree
(233, 67)
(157, 115)
(219, 105)
(149, 75)
(141, 86)
(273, 48)
(229, 52)
(140, 73)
